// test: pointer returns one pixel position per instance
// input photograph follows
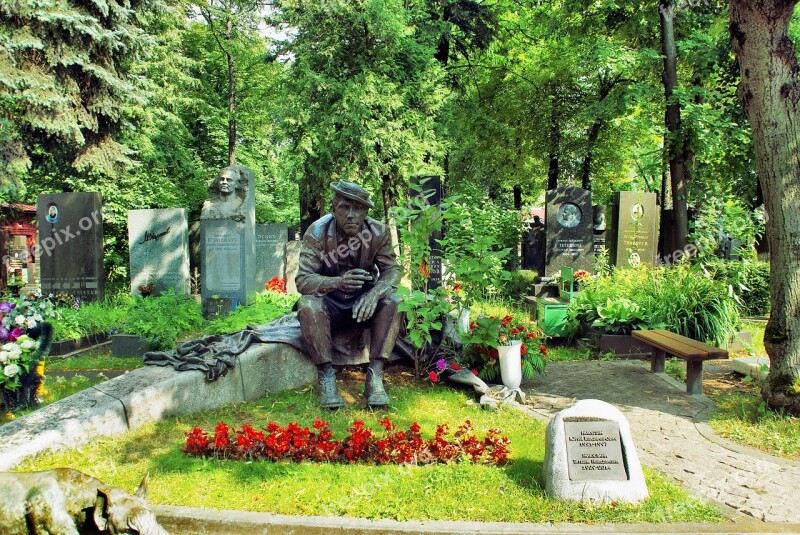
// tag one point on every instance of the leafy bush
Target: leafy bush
(750, 282)
(718, 218)
(163, 319)
(90, 318)
(685, 299)
(267, 307)
(518, 286)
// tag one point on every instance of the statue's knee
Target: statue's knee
(308, 305)
(391, 301)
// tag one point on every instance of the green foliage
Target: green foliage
(718, 218)
(163, 319)
(267, 307)
(748, 279)
(91, 318)
(518, 286)
(685, 299)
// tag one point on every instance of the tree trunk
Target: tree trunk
(591, 139)
(674, 142)
(231, 99)
(555, 142)
(769, 95)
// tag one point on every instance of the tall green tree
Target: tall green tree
(771, 99)
(64, 80)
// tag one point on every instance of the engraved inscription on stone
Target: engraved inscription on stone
(594, 451)
(224, 253)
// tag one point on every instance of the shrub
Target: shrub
(518, 286)
(163, 319)
(750, 282)
(267, 307)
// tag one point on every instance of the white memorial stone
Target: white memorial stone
(590, 455)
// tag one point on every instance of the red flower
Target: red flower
(319, 424)
(386, 424)
(474, 372)
(543, 350)
(521, 328)
(434, 377)
(276, 284)
(414, 427)
(506, 320)
(423, 269)
(531, 336)
(455, 366)
(471, 325)
(523, 349)
(493, 353)
(514, 331)
(457, 287)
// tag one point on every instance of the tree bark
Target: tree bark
(555, 142)
(674, 142)
(231, 98)
(769, 94)
(591, 139)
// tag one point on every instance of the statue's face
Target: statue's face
(227, 181)
(349, 215)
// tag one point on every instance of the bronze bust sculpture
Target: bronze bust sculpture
(348, 275)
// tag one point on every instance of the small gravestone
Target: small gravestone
(70, 247)
(569, 230)
(635, 221)
(601, 227)
(590, 455)
(228, 237)
(432, 184)
(270, 252)
(159, 250)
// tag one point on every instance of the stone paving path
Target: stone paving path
(671, 436)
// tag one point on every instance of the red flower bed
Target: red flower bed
(361, 446)
(276, 284)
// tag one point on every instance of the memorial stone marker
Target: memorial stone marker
(159, 249)
(270, 251)
(590, 455)
(635, 222)
(228, 237)
(70, 245)
(601, 227)
(569, 230)
(433, 183)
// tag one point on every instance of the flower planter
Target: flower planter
(62, 347)
(510, 358)
(623, 346)
(129, 345)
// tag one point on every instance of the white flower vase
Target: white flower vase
(511, 364)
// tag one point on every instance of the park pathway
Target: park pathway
(671, 435)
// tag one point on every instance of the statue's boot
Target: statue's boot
(374, 391)
(329, 397)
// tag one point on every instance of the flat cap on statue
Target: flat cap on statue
(352, 191)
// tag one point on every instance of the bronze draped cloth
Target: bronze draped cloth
(215, 354)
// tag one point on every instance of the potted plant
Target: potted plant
(500, 346)
(147, 289)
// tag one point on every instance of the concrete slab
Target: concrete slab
(149, 394)
(756, 367)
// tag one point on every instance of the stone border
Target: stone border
(150, 394)
(192, 520)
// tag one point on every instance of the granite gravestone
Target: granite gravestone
(228, 237)
(635, 221)
(601, 228)
(569, 230)
(271, 251)
(70, 247)
(432, 185)
(590, 455)
(159, 250)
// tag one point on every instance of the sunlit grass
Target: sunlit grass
(461, 491)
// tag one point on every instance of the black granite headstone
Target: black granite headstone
(433, 184)
(569, 230)
(601, 227)
(70, 247)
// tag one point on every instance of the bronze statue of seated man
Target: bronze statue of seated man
(348, 275)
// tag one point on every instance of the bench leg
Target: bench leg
(694, 377)
(657, 364)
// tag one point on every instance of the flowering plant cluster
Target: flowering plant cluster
(16, 359)
(276, 284)
(488, 332)
(441, 366)
(582, 275)
(17, 318)
(297, 443)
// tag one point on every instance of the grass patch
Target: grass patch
(93, 361)
(757, 328)
(461, 491)
(676, 368)
(744, 418)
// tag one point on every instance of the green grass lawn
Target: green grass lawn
(461, 491)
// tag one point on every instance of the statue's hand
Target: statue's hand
(365, 306)
(354, 280)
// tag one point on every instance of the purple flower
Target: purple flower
(3, 333)
(6, 308)
(441, 365)
(14, 334)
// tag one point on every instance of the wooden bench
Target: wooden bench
(692, 351)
